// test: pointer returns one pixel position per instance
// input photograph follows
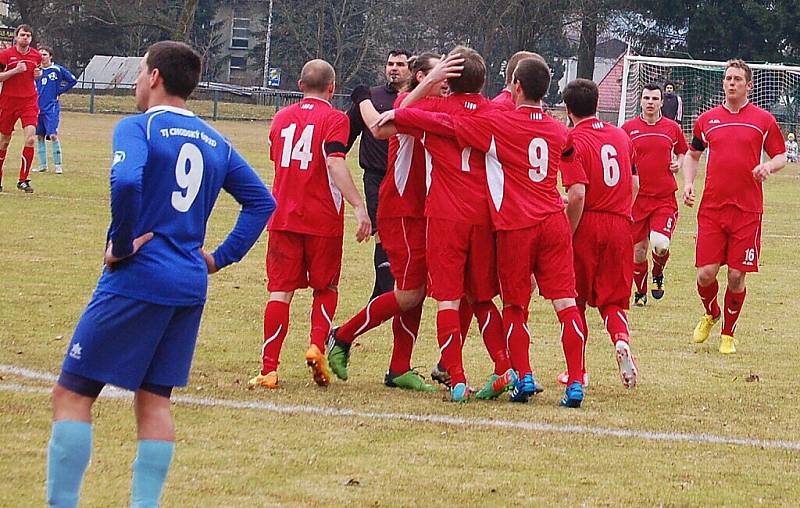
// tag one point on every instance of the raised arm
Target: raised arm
(447, 68)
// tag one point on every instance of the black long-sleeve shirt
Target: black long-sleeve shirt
(373, 153)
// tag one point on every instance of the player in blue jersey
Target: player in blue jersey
(139, 329)
(54, 81)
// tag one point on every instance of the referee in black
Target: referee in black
(373, 154)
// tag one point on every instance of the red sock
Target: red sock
(659, 262)
(404, 328)
(449, 336)
(573, 340)
(276, 324)
(582, 312)
(491, 326)
(733, 307)
(25, 166)
(640, 276)
(2, 160)
(323, 308)
(708, 294)
(616, 323)
(465, 313)
(378, 310)
(519, 340)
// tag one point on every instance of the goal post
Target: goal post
(776, 88)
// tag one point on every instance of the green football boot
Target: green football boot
(338, 355)
(496, 385)
(410, 380)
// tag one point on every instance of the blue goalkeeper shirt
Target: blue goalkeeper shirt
(54, 81)
(167, 171)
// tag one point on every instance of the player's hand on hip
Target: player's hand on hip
(761, 172)
(110, 259)
(674, 166)
(688, 195)
(210, 263)
(384, 118)
(364, 224)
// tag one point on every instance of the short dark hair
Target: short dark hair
(474, 73)
(581, 97)
(515, 59)
(26, 27)
(654, 86)
(178, 64)
(422, 62)
(397, 52)
(533, 75)
(669, 83)
(48, 49)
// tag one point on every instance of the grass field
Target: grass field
(357, 443)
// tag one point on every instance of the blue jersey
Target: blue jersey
(54, 81)
(167, 171)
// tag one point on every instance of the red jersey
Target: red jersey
(736, 142)
(604, 161)
(524, 149)
(457, 190)
(505, 100)
(20, 85)
(402, 192)
(654, 144)
(301, 137)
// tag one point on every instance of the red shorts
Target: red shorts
(728, 236)
(603, 259)
(296, 261)
(461, 259)
(18, 108)
(544, 250)
(403, 239)
(654, 214)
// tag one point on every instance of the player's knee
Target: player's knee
(736, 280)
(659, 242)
(409, 298)
(706, 275)
(639, 252)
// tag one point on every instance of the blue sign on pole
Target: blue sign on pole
(274, 76)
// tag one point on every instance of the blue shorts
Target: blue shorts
(128, 343)
(48, 122)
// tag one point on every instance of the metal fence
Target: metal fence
(208, 101)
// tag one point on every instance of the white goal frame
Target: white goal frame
(632, 64)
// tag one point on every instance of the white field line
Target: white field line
(292, 409)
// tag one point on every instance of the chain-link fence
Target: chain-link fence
(207, 102)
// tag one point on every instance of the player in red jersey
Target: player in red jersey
(524, 149)
(729, 220)
(308, 142)
(655, 211)
(460, 238)
(505, 98)
(601, 186)
(401, 227)
(18, 100)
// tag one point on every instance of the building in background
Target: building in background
(240, 28)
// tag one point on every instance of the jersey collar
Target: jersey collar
(308, 98)
(725, 105)
(587, 121)
(535, 108)
(171, 109)
(643, 119)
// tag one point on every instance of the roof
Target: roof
(110, 72)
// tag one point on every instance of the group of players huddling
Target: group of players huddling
(470, 209)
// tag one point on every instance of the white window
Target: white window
(240, 33)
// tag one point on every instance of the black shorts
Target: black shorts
(372, 182)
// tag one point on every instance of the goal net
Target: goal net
(776, 88)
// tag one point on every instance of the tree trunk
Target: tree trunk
(184, 26)
(588, 43)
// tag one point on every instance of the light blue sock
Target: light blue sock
(56, 152)
(149, 472)
(41, 149)
(67, 457)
